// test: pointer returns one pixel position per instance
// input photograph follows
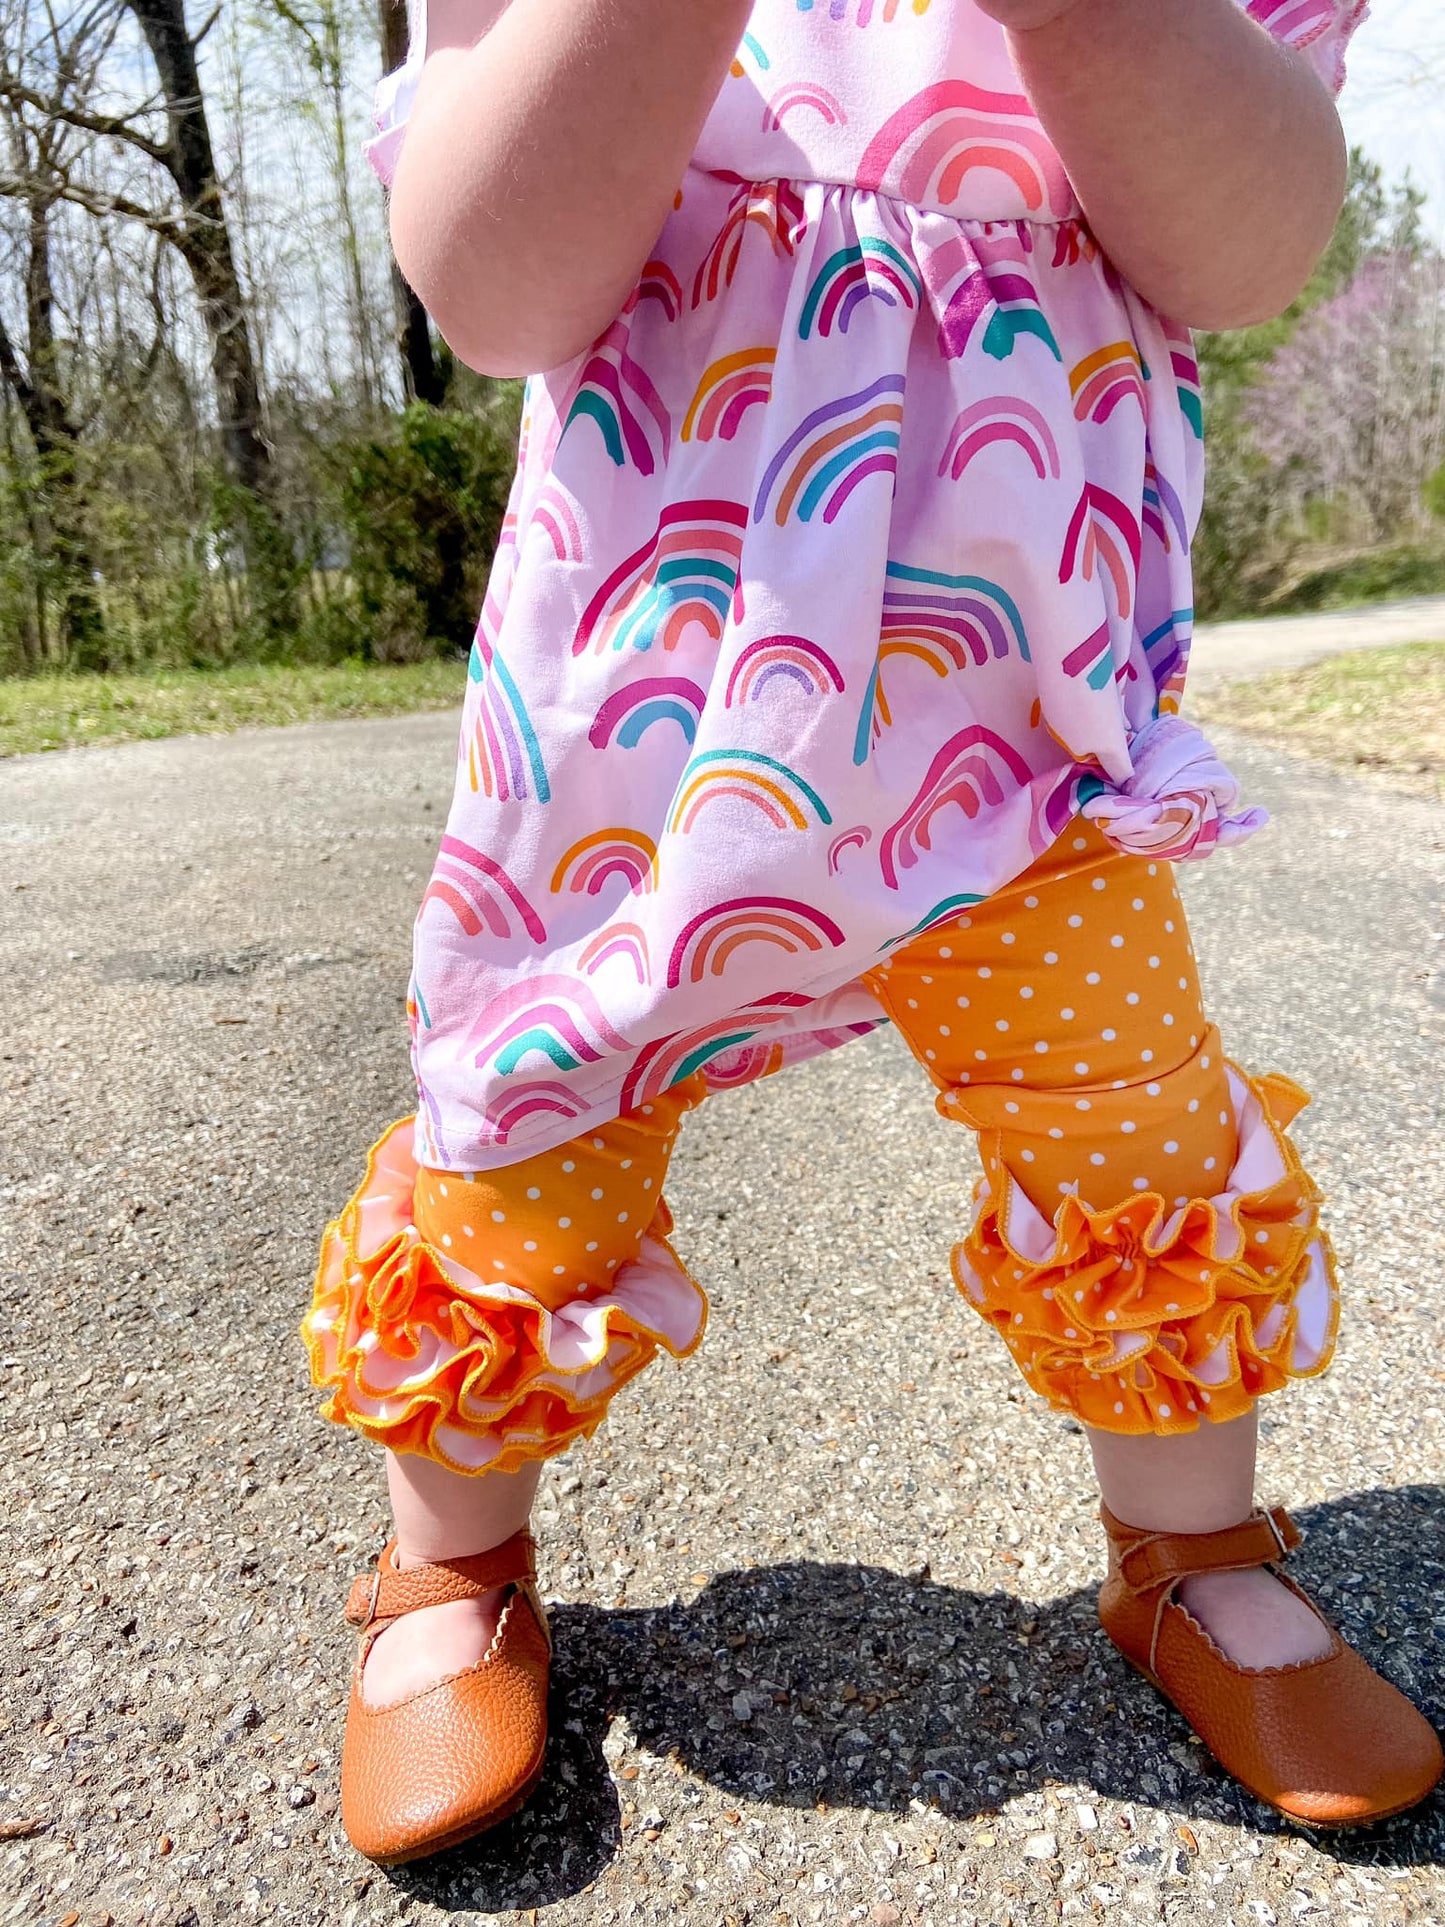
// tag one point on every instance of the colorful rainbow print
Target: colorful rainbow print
(554, 1014)
(1161, 500)
(1102, 380)
(669, 1060)
(1053, 811)
(522, 1102)
(974, 768)
(627, 940)
(631, 854)
(685, 575)
(555, 515)
(1011, 303)
(504, 757)
(945, 621)
(658, 283)
(1006, 419)
(790, 659)
(1093, 660)
(776, 207)
(799, 95)
(753, 47)
(631, 711)
(1103, 531)
(728, 388)
(935, 140)
(782, 796)
(616, 393)
(854, 839)
(944, 912)
(832, 450)
(838, 9)
(1297, 21)
(1167, 649)
(707, 942)
(480, 895)
(1185, 366)
(872, 270)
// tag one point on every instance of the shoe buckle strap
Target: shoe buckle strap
(1161, 1559)
(387, 1593)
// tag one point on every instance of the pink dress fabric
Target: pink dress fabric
(843, 570)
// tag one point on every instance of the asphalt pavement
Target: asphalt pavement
(822, 1594)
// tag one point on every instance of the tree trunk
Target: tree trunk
(205, 242)
(423, 375)
(56, 439)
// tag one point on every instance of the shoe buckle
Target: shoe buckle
(371, 1603)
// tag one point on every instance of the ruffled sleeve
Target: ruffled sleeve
(1320, 29)
(394, 95)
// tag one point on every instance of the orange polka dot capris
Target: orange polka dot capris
(1145, 1239)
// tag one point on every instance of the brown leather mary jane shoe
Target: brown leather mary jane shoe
(1326, 1741)
(443, 1765)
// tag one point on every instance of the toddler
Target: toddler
(829, 674)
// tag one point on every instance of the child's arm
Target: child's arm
(1208, 158)
(545, 145)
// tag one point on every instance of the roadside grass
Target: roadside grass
(62, 712)
(1375, 710)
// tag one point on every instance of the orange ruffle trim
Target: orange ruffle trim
(1142, 1319)
(422, 1355)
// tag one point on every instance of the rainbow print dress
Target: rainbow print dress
(842, 571)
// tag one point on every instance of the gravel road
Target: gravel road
(823, 1594)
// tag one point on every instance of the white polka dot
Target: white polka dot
(962, 1003)
(1181, 1201)
(1055, 1132)
(569, 1166)
(1031, 903)
(647, 1184)
(1096, 1157)
(533, 1191)
(1081, 1070)
(1204, 1063)
(1109, 1035)
(913, 1003)
(1041, 1047)
(1224, 1117)
(1067, 1013)
(1092, 978)
(612, 1264)
(442, 1188)
(498, 1264)
(925, 980)
(647, 1110)
(1128, 1127)
(559, 1271)
(599, 1144)
(1017, 1076)
(468, 1232)
(1000, 1023)
(1165, 1412)
(1141, 1184)
(1026, 990)
(499, 1217)
(1171, 1147)
(1209, 1163)
(1018, 1318)
(1098, 883)
(564, 1224)
(1118, 1405)
(1069, 1332)
(1008, 937)
(1138, 903)
(446, 1237)
(930, 1056)
(1051, 956)
(1132, 998)
(1027, 1156)
(1168, 925)
(1116, 943)
(530, 1245)
(1146, 1057)
(1081, 843)
(1153, 1089)
(1153, 963)
(1184, 983)
(593, 1245)
(1011, 1108)
(626, 1164)
(1075, 923)
(622, 1217)
(597, 1191)
(944, 1031)
(1261, 1237)
(1082, 1104)
(1168, 1018)
(980, 1056)
(1153, 869)
(1110, 1317)
(984, 971)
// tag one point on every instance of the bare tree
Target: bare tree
(423, 374)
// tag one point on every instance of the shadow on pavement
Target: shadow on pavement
(867, 1688)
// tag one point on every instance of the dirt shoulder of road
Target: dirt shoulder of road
(1378, 712)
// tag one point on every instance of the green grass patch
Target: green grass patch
(1373, 709)
(1382, 576)
(61, 712)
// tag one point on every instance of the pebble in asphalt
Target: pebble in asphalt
(823, 1594)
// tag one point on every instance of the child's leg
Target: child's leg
(485, 1335)
(1063, 1020)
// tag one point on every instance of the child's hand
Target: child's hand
(1022, 15)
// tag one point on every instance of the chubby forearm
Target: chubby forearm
(1208, 158)
(541, 162)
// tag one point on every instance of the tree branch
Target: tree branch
(113, 127)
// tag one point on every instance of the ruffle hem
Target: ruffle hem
(1142, 1319)
(422, 1355)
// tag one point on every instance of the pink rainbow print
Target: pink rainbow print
(793, 659)
(749, 776)
(658, 283)
(626, 715)
(1161, 500)
(554, 1014)
(1300, 22)
(728, 388)
(1104, 379)
(1007, 419)
(974, 768)
(686, 575)
(627, 940)
(480, 894)
(775, 207)
(669, 1060)
(631, 854)
(1093, 659)
(537, 1099)
(1102, 531)
(800, 95)
(833, 450)
(854, 839)
(871, 269)
(617, 393)
(557, 519)
(707, 942)
(925, 151)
